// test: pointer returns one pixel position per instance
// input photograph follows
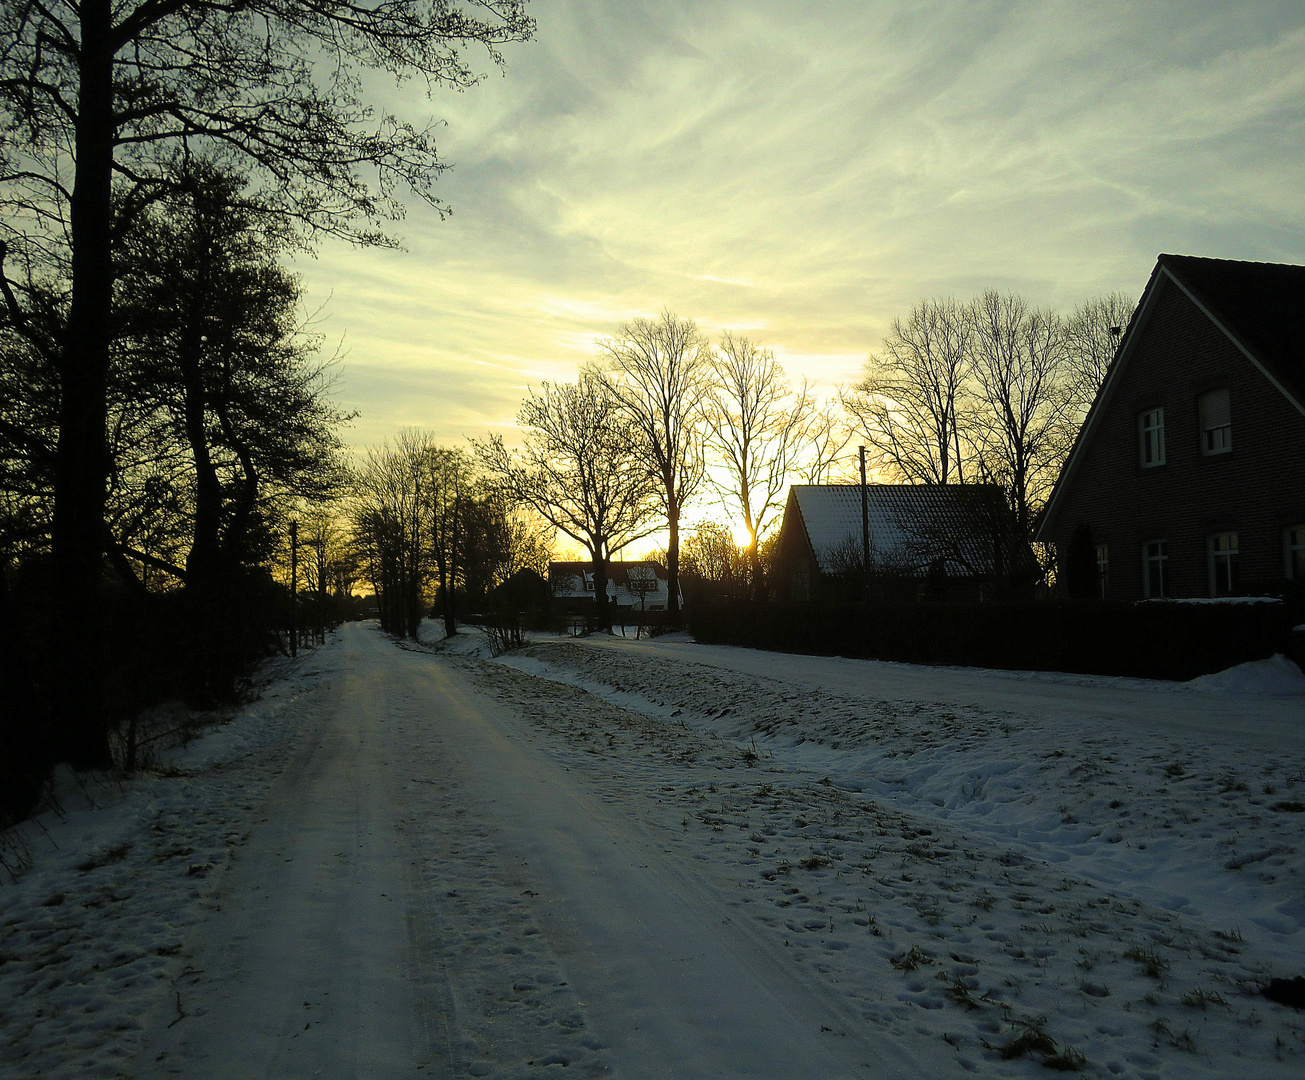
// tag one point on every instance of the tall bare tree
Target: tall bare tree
(909, 406)
(390, 512)
(451, 498)
(579, 469)
(1024, 424)
(1092, 334)
(758, 429)
(658, 370)
(826, 436)
(98, 94)
(715, 567)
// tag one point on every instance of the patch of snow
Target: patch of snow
(1277, 675)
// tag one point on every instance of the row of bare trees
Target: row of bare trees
(993, 390)
(987, 391)
(662, 418)
(424, 520)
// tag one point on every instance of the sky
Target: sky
(804, 173)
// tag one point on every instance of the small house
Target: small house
(954, 541)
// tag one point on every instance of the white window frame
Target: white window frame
(1223, 553)
(1151, 437)
(1215, 410)
(1293, 550)
(1103, 568)
(1159, 559)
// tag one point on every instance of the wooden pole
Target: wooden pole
(294, 588)
(865, 528)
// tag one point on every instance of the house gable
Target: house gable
(1206, 331)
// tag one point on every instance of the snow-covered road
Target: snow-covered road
(651, 860)
(338, 953)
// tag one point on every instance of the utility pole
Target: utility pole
(294, 588)
(865, 527)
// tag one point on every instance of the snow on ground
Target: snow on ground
(1127, 893)
(100, 892)
(982, 882)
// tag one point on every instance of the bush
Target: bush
(1157, 640)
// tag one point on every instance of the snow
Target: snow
(653, 858)
(1277, 675)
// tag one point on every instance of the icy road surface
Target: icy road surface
(597, 858)
(362, 928)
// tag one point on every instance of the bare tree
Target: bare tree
(99, 94)
(826, 437)
(658, 372)
(390, 513)
(909, 405)
(448, 491)
(1092, 334)
(714, 565)
(1024, 423)
(758, 429)
(580, 470)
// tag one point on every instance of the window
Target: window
(1155, 569)
(1223, 564)
(1296, 553)
(1103, 568)
(1216, 422)
(1151, 425)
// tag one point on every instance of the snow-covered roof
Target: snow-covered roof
(910, 524)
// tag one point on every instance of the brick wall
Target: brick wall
(1257, 490)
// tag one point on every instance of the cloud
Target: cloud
(804, 173)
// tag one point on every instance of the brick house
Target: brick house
(1188, 477)
(956, 541)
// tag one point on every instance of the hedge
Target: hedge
(1154, 640)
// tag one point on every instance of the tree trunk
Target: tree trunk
(673, 566)
(754, 567)
(602, 616)
(81, 730)
(24, 754)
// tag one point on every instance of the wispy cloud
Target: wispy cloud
(804, 173)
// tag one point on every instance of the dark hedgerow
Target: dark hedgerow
(1158, 640)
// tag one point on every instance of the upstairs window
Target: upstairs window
(1155, 569)
(1216, 422)
(1103, 568)
(1296, 553)
(1151, 430)
(1223, 564)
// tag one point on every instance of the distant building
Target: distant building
(1188, 476)
(524, 591)
(946, 540)
(631, 586)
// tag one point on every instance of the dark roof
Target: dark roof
(910, 524)
(1262, 305)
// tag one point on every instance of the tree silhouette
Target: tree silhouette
(98, 95)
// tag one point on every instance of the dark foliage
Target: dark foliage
(1150, 640)
(1289, 992)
